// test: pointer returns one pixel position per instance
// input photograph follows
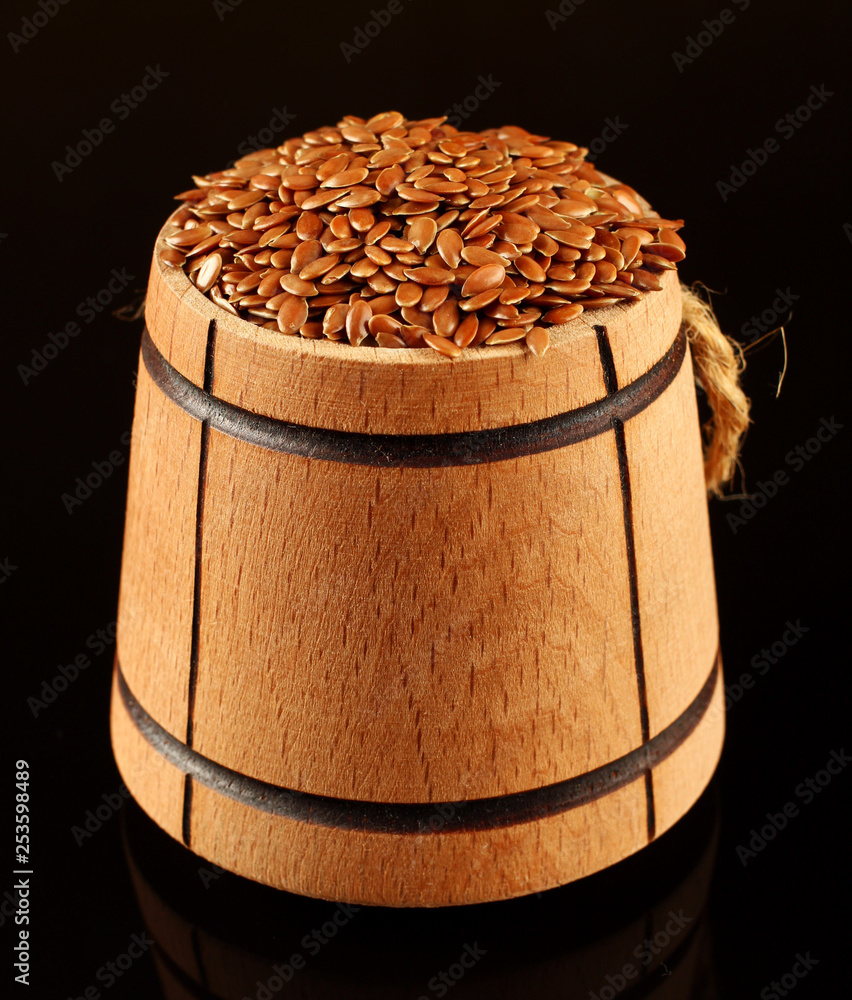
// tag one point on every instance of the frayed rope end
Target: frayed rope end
(718, 361)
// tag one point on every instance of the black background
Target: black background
(687, 125)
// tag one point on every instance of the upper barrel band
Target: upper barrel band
(496, 444)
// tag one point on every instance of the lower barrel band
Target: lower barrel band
(416, 817)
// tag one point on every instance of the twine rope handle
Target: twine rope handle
(717, 361)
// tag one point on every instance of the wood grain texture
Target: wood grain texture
(673, 555)
(156, 591)
(326, 620)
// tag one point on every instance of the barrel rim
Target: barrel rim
(561, 335)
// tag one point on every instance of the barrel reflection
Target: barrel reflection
(638, 929)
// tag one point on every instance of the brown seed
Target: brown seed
(562, 314)
(562, 272)
(335, 318)
(669, 251)
(297, 286)
(174, 258)
(656, 261)
(346, 178)
(379, 256)
(343, 246)
(422, 232)
(378, 231)
(480, 257)
(484, 278)
(538, 340)
(412, 335)
(617, 288)
(670, 236)
(487, 326)
(309, 226)
(292, 314)
(432, 297)
(189, 237)
(384, 121)
(340, 227)
(629, 249)
(270, 285)
(442, 345)
(568, 238)
(394, 244)
(446, 318)
(574, 287)
(530, 269)
(280, 258)
(429, 275)
(250, 282)
(320, 266)
(332, 165)
(416, 317)
(450, 245)
(208, 272)
(357, 320)
(387, 181)
(383, 324)
(387, 339)
(204, 246)
(408, 293)
(604, 271)
(304, 254)
(480, 301)
(520, 232)
(411, 193)
(505, 335)
(245, 199)
(358, 197)
(361, 219)
(466, 330)
(601, 303)
(645, 280)
(299, 182)
(641, 234)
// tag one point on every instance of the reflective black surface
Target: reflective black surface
(737, 123)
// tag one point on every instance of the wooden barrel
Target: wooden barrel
(412, 631)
